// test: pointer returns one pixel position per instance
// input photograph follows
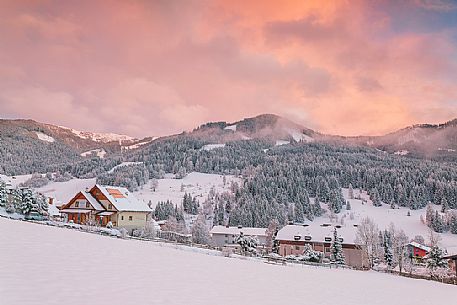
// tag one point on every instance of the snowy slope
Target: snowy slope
(383, 216)
(196, 184)
(212, 146)
(62, 192)
(98, 136)
(135, 272)
(99, 152)
(44, 137)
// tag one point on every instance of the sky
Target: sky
(147, 68)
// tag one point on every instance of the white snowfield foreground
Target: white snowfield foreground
(48, 265)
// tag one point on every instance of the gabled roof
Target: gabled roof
(317, 232)
(236, 231)
(97, 206)
(122, 199)
(420, 246)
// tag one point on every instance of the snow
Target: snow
(62, 192)
(100, 137)
(47, 261)
(124, 164)
(447, 149)
(196, 184)
(317, 233)
(300, 136)
(99, 152)
(401, 152)
(231, 127)
(281, 142)
(237, 231)
(209, 147)
(383, 216)
(14, 181)
(44, 137)
(137, 145)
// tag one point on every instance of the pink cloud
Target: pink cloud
(161, 67)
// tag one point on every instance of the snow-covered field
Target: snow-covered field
(99, 152)
(48, 265)
(196, 184)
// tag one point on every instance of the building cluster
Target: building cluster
(117, 207)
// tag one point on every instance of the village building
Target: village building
(293, 238)
(107, 204)
(225, 236)
(417, 251)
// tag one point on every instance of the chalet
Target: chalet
(417, 250)
(104, 204)
(224, 235)
(293, 238)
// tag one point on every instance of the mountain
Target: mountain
(27, 146)
(265, 126)
(431, 141)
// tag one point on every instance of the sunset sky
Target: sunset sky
(159, 67)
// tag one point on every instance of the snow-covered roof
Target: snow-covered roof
(420, 246)
(122, 199)
(97, 206)
(236, 231)
(317, 232)
(77, 211)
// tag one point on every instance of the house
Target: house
(224, 235)
(293, 238)
(417, 250)
(104, 204)
(451, 257)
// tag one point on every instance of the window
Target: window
(297, 248)
(122, 217)
(87, 205)
(110, 206)
(130, 218)
(76, 204)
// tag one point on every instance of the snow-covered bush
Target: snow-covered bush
(247, 243)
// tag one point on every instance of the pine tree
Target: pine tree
(435, 259)
(438, 223)
(336, 249)
(3, 194)
(387, 244)
(453, 223)
(298, 213)
(350, 192)
(348, 205)
(444, 205)
(26, 204)
(375, 197)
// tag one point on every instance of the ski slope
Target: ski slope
(53, 266)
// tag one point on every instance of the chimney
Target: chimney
(240, 226)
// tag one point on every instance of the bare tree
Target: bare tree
(399, 244)
(368, 238)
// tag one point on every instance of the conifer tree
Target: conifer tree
(336, 249)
